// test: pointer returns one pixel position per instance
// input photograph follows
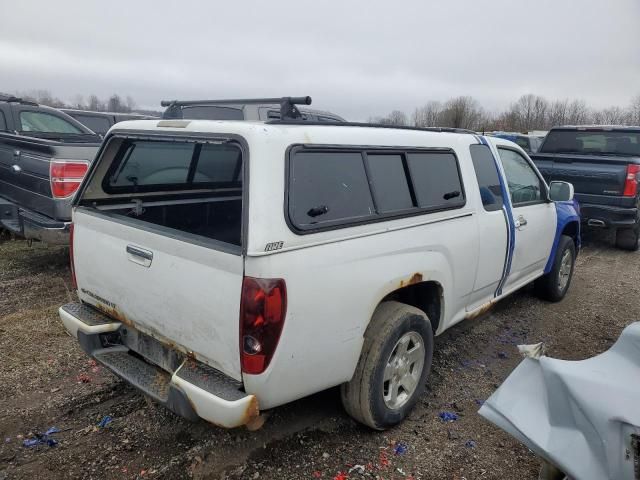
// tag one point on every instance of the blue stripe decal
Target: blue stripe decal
(511, 227)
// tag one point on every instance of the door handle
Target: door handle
(520, 221)
(139, 255)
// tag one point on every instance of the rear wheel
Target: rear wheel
(393, 367)
(628, 238)
(554, 285)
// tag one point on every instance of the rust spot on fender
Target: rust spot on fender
(415, 278)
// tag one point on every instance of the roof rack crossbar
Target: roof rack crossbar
(288, 109)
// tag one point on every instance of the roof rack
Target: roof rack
(372, 125)
(288, 109)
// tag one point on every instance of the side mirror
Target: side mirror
(560, 191)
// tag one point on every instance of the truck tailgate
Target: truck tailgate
(182, 293)
(589, 174)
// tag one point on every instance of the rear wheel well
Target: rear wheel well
(427, 296)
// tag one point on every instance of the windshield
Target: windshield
(592, 142)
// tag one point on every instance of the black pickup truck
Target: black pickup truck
(603, 164)
(44, 155)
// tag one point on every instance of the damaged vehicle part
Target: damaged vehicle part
(582, 417)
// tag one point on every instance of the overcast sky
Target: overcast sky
(357, 58)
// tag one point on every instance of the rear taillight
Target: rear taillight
(66, 176)
(631, 180)
(262, 310)
(72, 266)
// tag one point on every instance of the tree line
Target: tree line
(529, 112)
(113, 103)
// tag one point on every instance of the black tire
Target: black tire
(548, 287)
(628, 238)
(363, 396)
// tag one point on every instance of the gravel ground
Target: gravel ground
(46, 380)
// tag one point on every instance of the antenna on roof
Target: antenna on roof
(288, 109)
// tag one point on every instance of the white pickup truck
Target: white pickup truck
(227, 267)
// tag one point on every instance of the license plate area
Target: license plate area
(151, 349)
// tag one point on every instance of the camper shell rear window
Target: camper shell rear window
(185, 188)
(152, 166)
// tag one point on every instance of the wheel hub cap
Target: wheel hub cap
(403, 370)
(565, 270)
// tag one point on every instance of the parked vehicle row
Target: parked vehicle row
(529, 143)
(212, 258)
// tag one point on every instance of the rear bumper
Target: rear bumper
(607, 215)
(184, 385)
(32, 225)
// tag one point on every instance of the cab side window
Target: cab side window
(525, 187)
(45, 123)
(487, 175)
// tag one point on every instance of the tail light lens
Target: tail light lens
(262, 310)
(631, 181)
(74, 283)
(66, 176)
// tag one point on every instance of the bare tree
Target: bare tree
(396, 117)
(94, 103)
(42, 97)
(578, 113)
(428, 115)
(540, 110)
(461, 112)
(634, 111)
(114, 104)
(558, 113)
(529, 112)
(78, 102)
(612, 116)
(130, 103)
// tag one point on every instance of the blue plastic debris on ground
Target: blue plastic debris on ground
(42, 439)
(400, 448)
(470, 444)
(479, 402)
(502, 355)
(448, 416)
(106, 420)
